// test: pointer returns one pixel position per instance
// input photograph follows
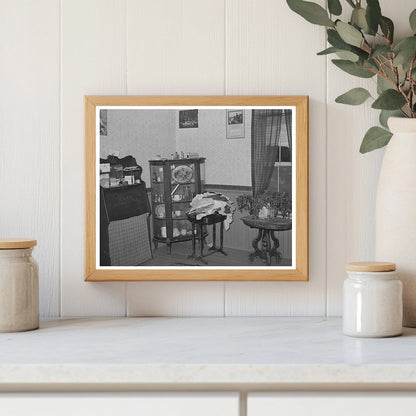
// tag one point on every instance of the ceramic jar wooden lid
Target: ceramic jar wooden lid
(370, 266)
(13, 243)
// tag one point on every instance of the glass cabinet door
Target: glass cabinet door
(183, 189)
(158, 201)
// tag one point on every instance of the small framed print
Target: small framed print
(188, 119)
(235, 124)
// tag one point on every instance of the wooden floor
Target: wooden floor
(181, 251)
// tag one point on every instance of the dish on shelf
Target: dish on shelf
(160, 211)
(182, 174)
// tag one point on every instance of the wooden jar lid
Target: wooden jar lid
(11, 243)
(371, 266)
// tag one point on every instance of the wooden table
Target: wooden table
(266, 229)
(198, 232)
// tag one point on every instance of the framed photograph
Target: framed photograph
(166, 202)
(188, 119)
(235, 124)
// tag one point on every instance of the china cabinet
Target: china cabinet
(174, 184)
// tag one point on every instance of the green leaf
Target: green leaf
(405, 50)
(356, 96)
(311, 12)
(327, 51)
(387, 27)
(389, 100)
(412, 20)
(375, 138)
(370, 65)
(383, 84)
(373, 15)
(349, 34)
(334, 7)
(358, 18)
(386, 114)
(347, 55)
(381, 50)
(336, 41)
(352, 68)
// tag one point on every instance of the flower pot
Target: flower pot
(266, 213)
(396, 210)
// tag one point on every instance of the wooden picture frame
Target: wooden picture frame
(298, 107)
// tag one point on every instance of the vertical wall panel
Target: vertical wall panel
(29, 135)
(93, 62)
(352, 177)
(272, 51)
(175, 47)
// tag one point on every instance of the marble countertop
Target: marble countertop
(204, 351)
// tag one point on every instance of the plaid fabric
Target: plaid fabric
(265, 135)
(129, 241)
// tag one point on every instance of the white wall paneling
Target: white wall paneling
(56, 51)
(175, 47)
(175, 298)
(93, 61)
(29, 135)
(262, 58)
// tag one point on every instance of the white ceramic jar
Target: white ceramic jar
(19, 286)
(372, 300)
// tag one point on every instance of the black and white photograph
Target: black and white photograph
(235, 124)
(188, 119)
(171, 197)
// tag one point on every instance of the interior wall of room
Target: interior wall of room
(140, 133)
(56, 51)
(231, 157)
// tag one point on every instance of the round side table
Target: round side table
(266, 229)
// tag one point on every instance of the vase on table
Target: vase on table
(396, 210)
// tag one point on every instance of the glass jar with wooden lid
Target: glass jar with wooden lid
(372, 300)
(19, 286)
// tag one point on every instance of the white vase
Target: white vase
(396, 210)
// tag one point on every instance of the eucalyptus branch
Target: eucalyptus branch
(366, 40)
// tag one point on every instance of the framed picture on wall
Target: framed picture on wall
(235, 124)
(169, 202)
(188, 119)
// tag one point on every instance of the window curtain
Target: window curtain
(288, 121)
(265, 134)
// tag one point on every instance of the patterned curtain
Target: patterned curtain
(288, 120)
(265, 133)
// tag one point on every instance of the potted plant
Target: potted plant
(266, 205)
(365, 47)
